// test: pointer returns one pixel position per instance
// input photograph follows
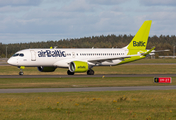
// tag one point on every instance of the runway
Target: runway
(90, 76)
(39, 90)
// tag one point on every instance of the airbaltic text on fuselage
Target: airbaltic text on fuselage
(138, 44)
(51, 53)
(81, 66)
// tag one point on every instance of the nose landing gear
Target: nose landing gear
(21, 70)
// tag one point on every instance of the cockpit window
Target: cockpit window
(18, 54)
(21, 55)
(15, 55)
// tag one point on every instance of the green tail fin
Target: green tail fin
(139, 42)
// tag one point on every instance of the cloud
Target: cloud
(58, 19)
(78, 6)
(163, 22)
(20, 2)
(10, 9)
(158, 2)
(107, 2)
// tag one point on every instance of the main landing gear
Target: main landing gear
(70, 73)
(90, 72)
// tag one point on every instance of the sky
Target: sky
(24, 21)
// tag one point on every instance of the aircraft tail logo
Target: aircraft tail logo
(139, 42)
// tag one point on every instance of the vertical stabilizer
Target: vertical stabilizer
(139, 42)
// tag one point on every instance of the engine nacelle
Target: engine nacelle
(78, 66)
(46, 69)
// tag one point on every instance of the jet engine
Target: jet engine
(78, 66)
(46, 69)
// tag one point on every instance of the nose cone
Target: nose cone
(12, 61)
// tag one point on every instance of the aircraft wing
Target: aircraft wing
(99, 60)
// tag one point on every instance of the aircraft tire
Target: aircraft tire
(70, 73)
(21, 73)
(90, 72)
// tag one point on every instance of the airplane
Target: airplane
(83, 59)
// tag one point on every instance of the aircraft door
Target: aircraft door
(33, 55)
(73, 54)
(126, 52)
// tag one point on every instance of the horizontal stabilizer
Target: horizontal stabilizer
(149, 51)
(154, 51)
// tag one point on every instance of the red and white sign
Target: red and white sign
(163, 80)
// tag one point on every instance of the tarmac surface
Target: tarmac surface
(38, 90)
(131, 88)
(79, 76)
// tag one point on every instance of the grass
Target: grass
(121, 105)
(78, 82)
(108, 105)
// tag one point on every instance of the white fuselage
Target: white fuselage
(61, 57)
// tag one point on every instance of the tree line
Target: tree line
(160, 42)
